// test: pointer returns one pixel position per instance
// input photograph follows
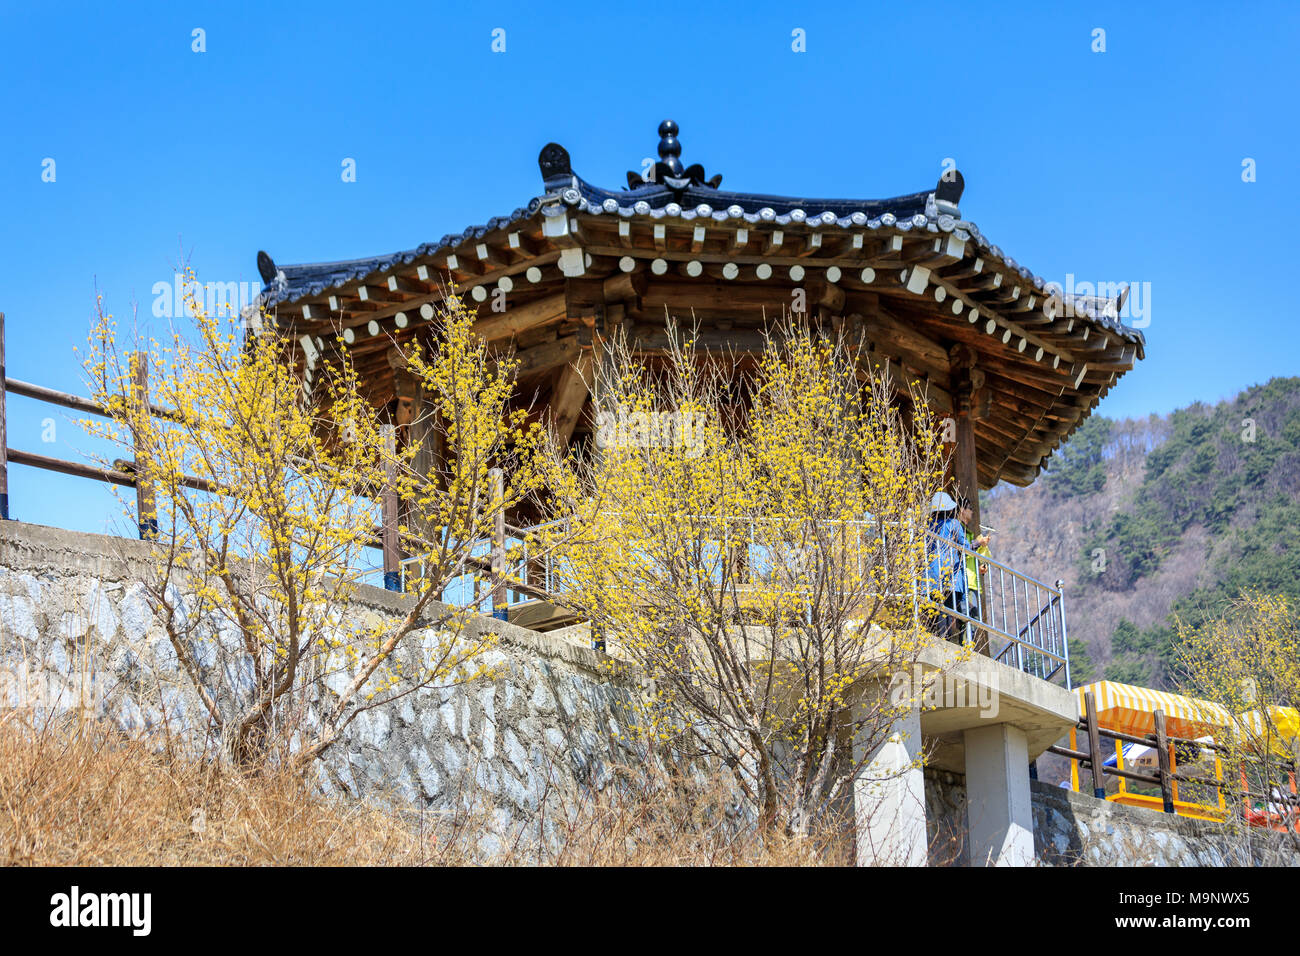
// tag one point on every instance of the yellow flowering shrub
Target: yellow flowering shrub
(266, 470)
(758, 563)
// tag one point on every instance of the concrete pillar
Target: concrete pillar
(889, 797)
(998, 810)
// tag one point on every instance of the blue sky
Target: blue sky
(1120, 166)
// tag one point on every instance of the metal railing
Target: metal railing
(1014, 618)
(1017, 620)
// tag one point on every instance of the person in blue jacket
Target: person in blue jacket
(946, 575)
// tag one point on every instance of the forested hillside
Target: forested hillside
(1160, 518)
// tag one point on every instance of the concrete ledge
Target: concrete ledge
(978, 692)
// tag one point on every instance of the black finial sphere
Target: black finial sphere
(669, 146)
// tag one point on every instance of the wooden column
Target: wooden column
(965, 469)
(146, 502)
(965, 384)
(497, 491)
(584, 301)
(389, 536)
(1162, 758)
(1094, 746)
(4, 432)
(417, 425)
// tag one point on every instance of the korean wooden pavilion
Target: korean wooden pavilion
(1017, 367)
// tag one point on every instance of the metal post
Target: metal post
(500, 609)
(1065, 635)
(391, 545)
(1015, 605)
(1094, 746)
(1002, 597)
(1162, 756)
(146, 502)
(4, 435)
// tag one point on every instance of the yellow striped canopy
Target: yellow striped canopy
(1131, 710)
(1286, 726)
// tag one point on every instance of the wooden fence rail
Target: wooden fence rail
(1167, 776)
(137, 474)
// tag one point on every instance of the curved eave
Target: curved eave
(293, 283)
(919, 233)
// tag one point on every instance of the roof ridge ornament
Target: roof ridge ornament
(556, 167)
(947, 192)
(669, 170)
(266, 267)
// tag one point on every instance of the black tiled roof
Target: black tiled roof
(678, 192)
(292, 282)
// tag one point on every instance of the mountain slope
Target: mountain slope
(1154, 518)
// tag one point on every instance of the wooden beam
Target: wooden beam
(650, 339)
(405, 286)
(500, 325)
(376, 293)
(716, 295)
(570, 395)
(540, 358)
(584, 296)
(829, 295)
(883, 325)
(625, 285)
(936, 396)
(917, 285)
(853, 262)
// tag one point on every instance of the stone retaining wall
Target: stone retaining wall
(1072, 829)
(1075, 829)
(77, 633)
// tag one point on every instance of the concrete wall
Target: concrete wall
(76, 632)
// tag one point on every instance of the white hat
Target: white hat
(942, 502)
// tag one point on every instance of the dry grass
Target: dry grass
(85, 795)
(78, 793)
